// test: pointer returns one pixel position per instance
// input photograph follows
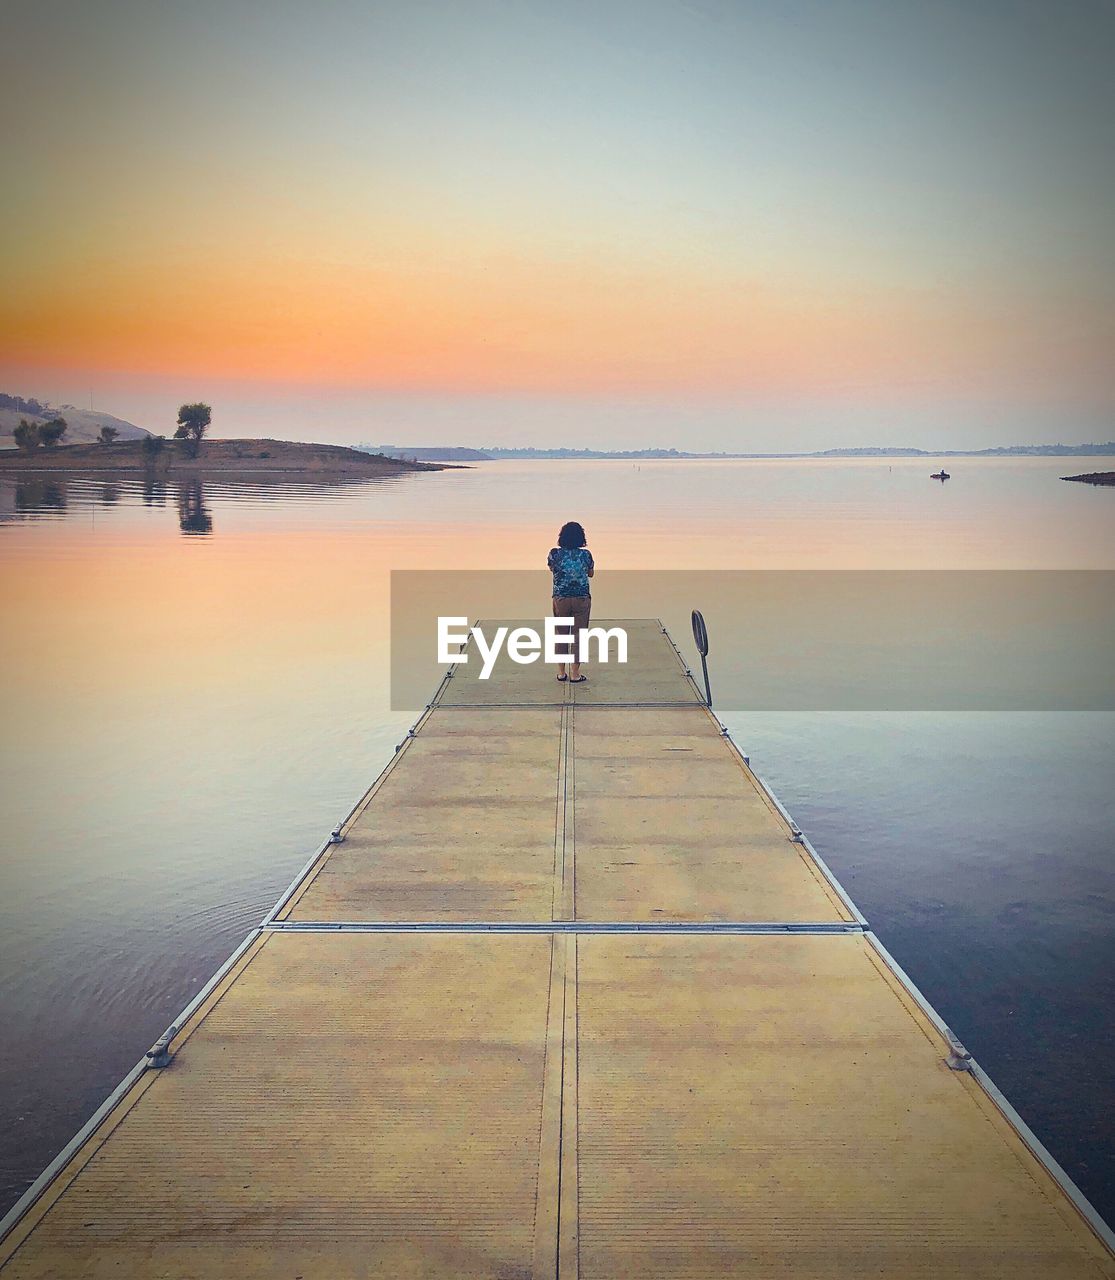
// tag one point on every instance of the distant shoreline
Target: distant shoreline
(215, 457)
(467, 454)
(1094, 477)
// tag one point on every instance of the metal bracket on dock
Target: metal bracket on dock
(959, 1058)
(336, 836)
(159, 1054)
(725, 732)
(798, 837)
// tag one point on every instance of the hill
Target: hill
(216, 457)
(83, 426)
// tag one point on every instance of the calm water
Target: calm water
(194, 688)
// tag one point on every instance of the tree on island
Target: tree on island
(51, 432)
(108, 434)
(193, 422)
(29, 435)
(153, 446)
(26, 435)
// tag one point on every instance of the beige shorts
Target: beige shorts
(575, 607)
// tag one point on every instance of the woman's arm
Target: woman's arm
(591, 563)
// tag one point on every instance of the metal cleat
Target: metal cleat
(159, 1054)
(959, 1058)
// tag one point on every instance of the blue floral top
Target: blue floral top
(570, 567)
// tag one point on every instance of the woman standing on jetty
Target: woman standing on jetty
(571, 564)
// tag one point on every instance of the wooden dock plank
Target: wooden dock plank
(652, 674)
(354, 1105)
(670, 825)
(464, 828)
(777, 1106)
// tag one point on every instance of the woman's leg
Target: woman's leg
(560, 612)
(580, 621)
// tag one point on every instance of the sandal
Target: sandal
(563, 677)
(579, 680)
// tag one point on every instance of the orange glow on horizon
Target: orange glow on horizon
(582, 325)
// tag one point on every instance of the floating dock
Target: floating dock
(566, 995)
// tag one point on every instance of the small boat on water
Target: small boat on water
(940, 475)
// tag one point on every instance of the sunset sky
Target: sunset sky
(708, 224)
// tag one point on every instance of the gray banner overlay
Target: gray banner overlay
(979, 640)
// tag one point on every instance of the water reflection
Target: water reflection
(39, 493)
(194, 517)
(39, 496)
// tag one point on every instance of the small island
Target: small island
(1094, 477)
(210, 457)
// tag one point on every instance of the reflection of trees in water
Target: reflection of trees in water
(40, 493)
(193, 515)
(52, 495)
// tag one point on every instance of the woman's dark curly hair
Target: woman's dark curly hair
(571, 535)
